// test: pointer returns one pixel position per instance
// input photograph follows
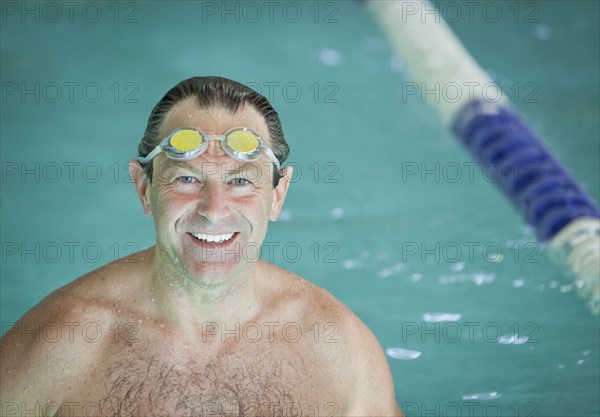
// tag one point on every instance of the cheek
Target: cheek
(261, 211)
(167, 206)
(268, 203)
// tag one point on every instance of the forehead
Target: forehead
(213, 120)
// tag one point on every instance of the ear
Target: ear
(280, 192)
(142, 184)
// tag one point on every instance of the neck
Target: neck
(192, 301)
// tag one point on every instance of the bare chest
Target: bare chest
(246, 380)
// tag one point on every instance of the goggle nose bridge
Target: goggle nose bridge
(214, 137)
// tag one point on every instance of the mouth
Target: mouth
(214, 239)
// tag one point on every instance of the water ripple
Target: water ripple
(439, 317)
(403, 354)
(492, 395)
(388, 272)
(478, 278)
(512, 339)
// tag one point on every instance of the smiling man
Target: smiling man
(195, 326)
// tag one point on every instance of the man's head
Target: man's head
(211, 212)
(213, 92)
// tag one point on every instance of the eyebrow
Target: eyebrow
(240, 167)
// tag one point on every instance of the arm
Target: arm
(41, 357)
(372, 392)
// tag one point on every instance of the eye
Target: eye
(186, 179)
(240, 181)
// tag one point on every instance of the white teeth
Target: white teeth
(213, 238)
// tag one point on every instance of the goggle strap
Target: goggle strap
(151, 155)
(273, 158)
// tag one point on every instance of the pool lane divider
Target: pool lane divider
(552, 202)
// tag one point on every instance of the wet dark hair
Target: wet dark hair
(214, 92)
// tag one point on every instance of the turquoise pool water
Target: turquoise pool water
(377, 214)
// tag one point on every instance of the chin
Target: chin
(214, 262)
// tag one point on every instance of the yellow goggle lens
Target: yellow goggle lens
(186, 140)
(242, 141)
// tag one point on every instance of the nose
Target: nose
(213, 203)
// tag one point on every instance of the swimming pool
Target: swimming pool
(386, 211)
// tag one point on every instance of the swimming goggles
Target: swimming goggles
(186, 143)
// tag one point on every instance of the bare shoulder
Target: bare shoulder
(310, 303)
(348, 345)
(60, 336)
(303, 300)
